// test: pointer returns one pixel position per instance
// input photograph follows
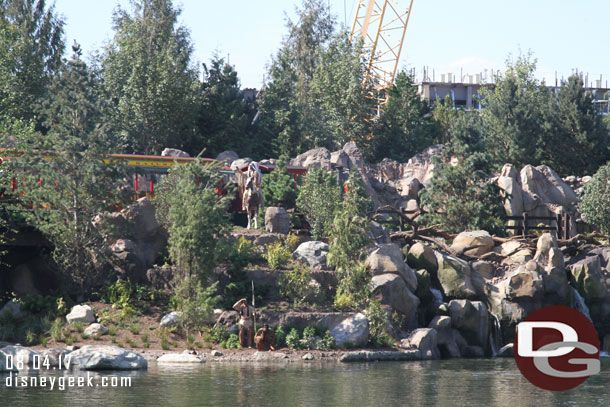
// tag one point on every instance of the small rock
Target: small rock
(308, 356)
(171, 319)
(96, 329)
(81, 313)
(216, 353)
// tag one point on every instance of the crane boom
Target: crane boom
(382, 25)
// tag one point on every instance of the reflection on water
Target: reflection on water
(472, 382)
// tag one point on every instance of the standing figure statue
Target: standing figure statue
(252, 193)
(246, 323)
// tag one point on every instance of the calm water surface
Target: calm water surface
(487, 382)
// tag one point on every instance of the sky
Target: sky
(468, 36)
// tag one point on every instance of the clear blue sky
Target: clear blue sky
(445, 35)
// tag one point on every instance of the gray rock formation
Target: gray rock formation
(312, 253)
(277, 220)
(353, 330)
(102, 357)
(387, 258)
(81, 313)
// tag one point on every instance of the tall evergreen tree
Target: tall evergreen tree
(517, 114)
(580, 140)
(31, 46)
(225, 118)
(147, 70)
(406, 126)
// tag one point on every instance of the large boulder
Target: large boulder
(542, 185)
(22, 356)
(353, 330)
(589, 279)
(141, 214)
(475, 243)
(312, 253)
(510, 184)
(525, 283)
(171, 320)
(422, 256)
(424, 340)
(81, 313)
(391, 289)
(57, 357)
(550, 259)
(319, 157)
(102, 357)
(448, 339)
(378, 233)
(12, 308)
(227, 157)
(454, 276)
(471, 318)
(240, 163)
(387, 258)
(277, 220)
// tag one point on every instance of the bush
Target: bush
(318, 198)
(595, 204)
(309, 338)
(232, 342)
(292, 242)
(296, 285)
(195, 302)
(293, 340)
(217, 334)
(326, 343)
(280, 337)
(378, 322)
(353, 291)
(277, 255)
(279, 187)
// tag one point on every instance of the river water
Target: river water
(459, 382)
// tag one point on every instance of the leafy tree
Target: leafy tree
(318, 198)
(517, 114)
(595, 204)
(195, 302)
(279, 186)
(191, 209)
(338, 96)
(580, 140)
(445, 113)
(348, 238)
(148, 75)
(406, 126)
(225, 118)
(31, 46)
(461, 196)
(287, 119)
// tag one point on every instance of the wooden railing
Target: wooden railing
(562, 224)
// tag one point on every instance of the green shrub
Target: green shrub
(164, 341)
(279, 187)
(195, 302)
(232, 342)
(56, 329)
(293, 339)
(112, 330)
(135, 329)
(378, 322)
(595, 204)
(353, 291)
(309, 338)
(296, 285)
(319, 196)
(217, 334)
(292, 241)
(280, 337)
(277, 255)
(326, 343)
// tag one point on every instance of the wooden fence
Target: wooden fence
(560, 224)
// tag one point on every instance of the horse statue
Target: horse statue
(250, 187)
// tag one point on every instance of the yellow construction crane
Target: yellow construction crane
(382, 25)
